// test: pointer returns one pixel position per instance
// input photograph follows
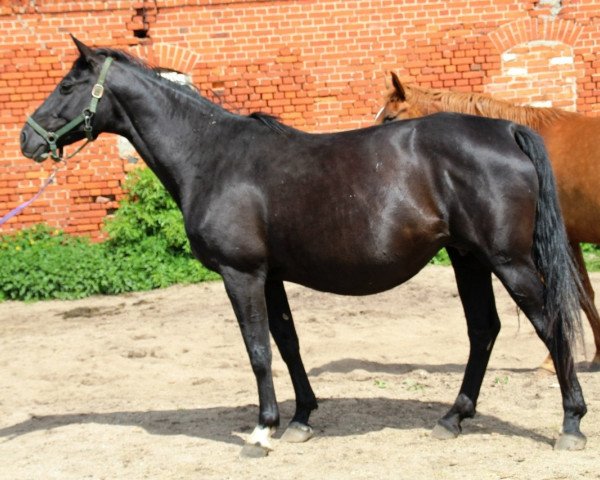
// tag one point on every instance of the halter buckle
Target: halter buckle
(98, 91)
(87, 120)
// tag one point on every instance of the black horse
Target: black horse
(351, 213)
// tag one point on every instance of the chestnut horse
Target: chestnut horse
(573, 147)
(351, 213)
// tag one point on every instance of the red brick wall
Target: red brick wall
(318, 64)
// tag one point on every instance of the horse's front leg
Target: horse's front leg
(284, 334)
(247, 294)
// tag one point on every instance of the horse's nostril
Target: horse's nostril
(23, 138)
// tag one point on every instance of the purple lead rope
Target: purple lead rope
(15, 211)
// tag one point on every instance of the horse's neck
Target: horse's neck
(168, 129)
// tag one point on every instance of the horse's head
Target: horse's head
(398, 105)
(73, 111)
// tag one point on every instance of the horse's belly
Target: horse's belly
(372, 256)
(352, 283)
(357, 276)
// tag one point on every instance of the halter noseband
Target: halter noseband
(85, 117)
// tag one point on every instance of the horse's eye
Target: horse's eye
(65, 88)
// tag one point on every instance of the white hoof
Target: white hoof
(442, 433)
(259, 443)
(254, 451)
(568, 441)
(297, 432)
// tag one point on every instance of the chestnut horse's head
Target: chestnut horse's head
(399, 104)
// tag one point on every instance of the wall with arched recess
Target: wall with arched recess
(168, 55)
(537, 63)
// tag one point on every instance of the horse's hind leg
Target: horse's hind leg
(588, 307)
(474, 282)
(525, 287)
(282, 328)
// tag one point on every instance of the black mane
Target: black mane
(272, 122)
(192, 90)
(155, 71)
(123, 56)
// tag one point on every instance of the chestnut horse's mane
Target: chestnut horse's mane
(484, 105)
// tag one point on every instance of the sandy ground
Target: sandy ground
(157, 385)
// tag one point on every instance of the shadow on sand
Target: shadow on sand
(336, 417)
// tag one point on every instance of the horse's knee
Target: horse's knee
(260, 359)
(484, 338)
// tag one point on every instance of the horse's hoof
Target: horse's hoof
(547, 367)
(569, 441)
(297, 432)
(259, 443)
(442, 432)
(254, 451)
(595, 364)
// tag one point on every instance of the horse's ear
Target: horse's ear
(86, 52)
(398, 88)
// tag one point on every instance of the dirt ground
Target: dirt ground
(157, 385)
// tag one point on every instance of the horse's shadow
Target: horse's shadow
(347, 365)
(336, 417)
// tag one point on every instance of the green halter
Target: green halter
(85, 118)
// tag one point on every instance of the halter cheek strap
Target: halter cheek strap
(85, 117)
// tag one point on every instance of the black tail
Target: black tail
(563, 289)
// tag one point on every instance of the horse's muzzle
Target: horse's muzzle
(32, 145)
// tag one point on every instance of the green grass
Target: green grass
(591, 255)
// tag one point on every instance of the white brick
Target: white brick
(561, 61)
(517, 71)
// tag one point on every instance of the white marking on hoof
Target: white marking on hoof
(568, 441)
(297, 432)
(262, 437)
(442, 433)
(259, 443)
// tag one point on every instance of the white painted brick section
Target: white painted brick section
(516, 71)
(561, 61)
